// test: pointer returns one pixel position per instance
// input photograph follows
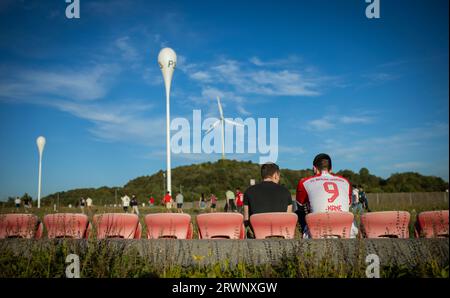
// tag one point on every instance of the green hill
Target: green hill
(217, 177)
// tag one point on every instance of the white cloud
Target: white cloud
(292, 60)
(83, 93)
(128, 52)
(126, 121)
(388, 147)
(377, 78)
(409, 165)
(243, 78)
(333, 121)
(292, 150)
(202, 76)
(256, 61)
(320, 124)
(355, 119)
(85, 84)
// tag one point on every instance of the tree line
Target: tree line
(218, 177)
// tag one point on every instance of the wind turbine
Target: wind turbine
(222, 121)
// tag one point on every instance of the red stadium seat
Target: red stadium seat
(221, 225)
(20, 226)
(385, 224)
(168, 225)
(274, 225)
(329, 224)
(67, 225)
(117, 225)
(431, 224)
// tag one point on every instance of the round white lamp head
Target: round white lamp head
(167, 60)
(40, 141)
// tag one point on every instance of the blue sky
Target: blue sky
(370, 92)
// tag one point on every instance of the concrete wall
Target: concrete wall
(406, 252)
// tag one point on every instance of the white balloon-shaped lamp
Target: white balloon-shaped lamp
(167, 60)
(40, 141)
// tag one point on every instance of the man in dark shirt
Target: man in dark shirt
(267, 196)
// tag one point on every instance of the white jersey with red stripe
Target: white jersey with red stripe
(325, 193)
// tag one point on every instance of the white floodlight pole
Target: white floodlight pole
(167, 60)
(40, 141)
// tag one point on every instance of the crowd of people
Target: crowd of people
(26, 202)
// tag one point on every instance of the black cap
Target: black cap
(320, 157)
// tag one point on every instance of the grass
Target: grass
(99, 260)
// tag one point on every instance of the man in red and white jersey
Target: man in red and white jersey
(325, 192)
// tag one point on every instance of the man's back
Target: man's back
(167, 198)
(325, 193)
(229, 195)
(355, 196)
(126, 200)
(179, 198)
(267, 196)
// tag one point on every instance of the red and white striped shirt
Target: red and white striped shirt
(325, 193)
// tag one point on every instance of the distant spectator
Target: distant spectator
(25, 203)
(89, 204)
(168, 200)
(363, 199)
(267, 196)
(239, 201)
(134, 205)
(151, 201)
(356, 203)
(213, 202)
(17, 202)
(125, 202)
(202, 201)
(82, 204)
(230, 205)
(180, 200)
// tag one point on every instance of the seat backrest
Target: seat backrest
(221, 225)
(329, 224)
(168, 225)
(66, 225)
(20, 226)
(274, 225)
(385, 224)
(433, 224)
(117, 225)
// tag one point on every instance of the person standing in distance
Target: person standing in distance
(230, 201)
(239, 200)
(168, 200)
(179, 199)
(89, 204)
(134, 205)
(125, 202)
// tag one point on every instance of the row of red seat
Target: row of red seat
(392, 224)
